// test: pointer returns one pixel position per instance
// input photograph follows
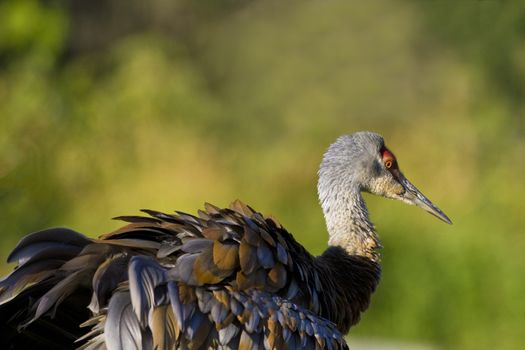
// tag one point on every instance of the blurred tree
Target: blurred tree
(110, 106)
(31, 39)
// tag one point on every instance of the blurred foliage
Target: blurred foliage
(109, 107)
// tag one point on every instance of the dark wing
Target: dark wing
(236, 246)
(39, 276)
(229, 278)
(153, 311)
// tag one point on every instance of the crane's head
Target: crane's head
(362, 161)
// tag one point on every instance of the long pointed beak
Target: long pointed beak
(413, 196)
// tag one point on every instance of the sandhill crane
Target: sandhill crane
(224, 279)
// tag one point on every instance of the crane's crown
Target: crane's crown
(361, 162)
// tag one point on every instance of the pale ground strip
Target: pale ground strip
(369, 344)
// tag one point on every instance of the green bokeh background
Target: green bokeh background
(109, 107)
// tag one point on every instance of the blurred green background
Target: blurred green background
(107, 107)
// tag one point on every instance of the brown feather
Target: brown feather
(225, 256)
(251, 236)
(222, 296)
(247, 257)
(277, 277)
(187, 294)
(247, 342)
(163, 328)
(204, 272)
(213, 233)
(211, 209)
(241, 208)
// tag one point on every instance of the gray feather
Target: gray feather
(43, 250)
(145, 274)
(58, 234)
(173, 292)
(25, 276)
(57, 294)
(226, 334)
(122, 330)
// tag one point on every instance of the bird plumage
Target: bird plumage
(225, 279)
(228, 278)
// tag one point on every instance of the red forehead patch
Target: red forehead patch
(389, 160)
(385, 153)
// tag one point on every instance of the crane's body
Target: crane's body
(224, 279)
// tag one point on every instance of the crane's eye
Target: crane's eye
(389, 160)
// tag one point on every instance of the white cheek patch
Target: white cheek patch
(386, 186)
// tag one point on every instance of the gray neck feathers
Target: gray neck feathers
(344, 209)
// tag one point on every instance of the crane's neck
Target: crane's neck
(347, 220)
